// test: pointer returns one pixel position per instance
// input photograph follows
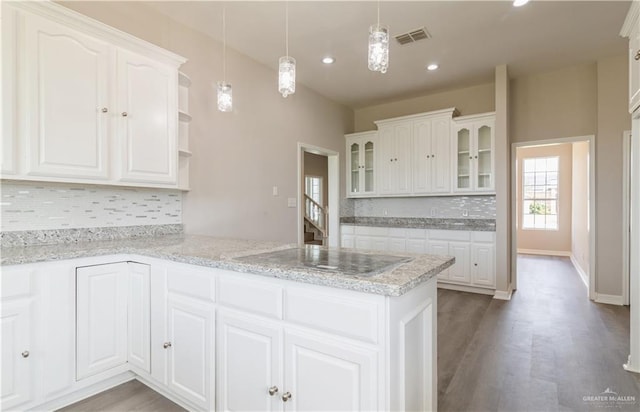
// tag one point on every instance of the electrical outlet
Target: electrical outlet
(275, 190)
(385, 212)
(465, 212)
(434, 211)
(291, 202)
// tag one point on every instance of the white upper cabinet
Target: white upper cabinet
(361, 163)
(95, 105)
(631, 30)
(148, 116)
(431, 155)
(394, 158)
(66, 80)
(474, 154)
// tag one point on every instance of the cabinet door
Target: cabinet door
(348, 241)
(422, 171)
(440, 155)
(67, 106)
(368, 166)
(8, 91)
(482, 269)
(402, 159)
(326, 375)
(484, 142)
(139, 317)
(463, 157)
(364, 242)
(437, 247)
(354, 167)
(385, 164)
(101, 304)
(459, 272)
(147, 116)
(248, 363)
(190, 349)
(634, 69)
(17, 361)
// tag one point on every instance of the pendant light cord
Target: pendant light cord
(224, 44)
(286, 26)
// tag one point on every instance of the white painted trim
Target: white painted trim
(503, 295)
(544, 252)
(450, 112)
(474, 116)
(633, 363)
(630, 20)
(443, 284)
(333, 182)
(626, 213)
(592, 205)
(609, 299)
(583, 275)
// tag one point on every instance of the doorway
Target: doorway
(553, 207)
(318, 196)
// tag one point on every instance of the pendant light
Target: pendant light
(378, 46)
(225, 95)
(287, 64)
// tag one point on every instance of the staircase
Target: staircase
(315, 222)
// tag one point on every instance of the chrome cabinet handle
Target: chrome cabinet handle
(286, 396)
(25, 354)
(104, 110)
(637, 56)
(273, 390)
(166, 345)
(125, 114)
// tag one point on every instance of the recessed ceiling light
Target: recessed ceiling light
(432, 67)
(518, 3)
(328, 60)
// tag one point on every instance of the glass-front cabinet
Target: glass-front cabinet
(361, 163)
(474, 153)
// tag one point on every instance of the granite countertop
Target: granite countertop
(480, 225)
(228, 254)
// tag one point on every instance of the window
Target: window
(313, 188)
(540, 193)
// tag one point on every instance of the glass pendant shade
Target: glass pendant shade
(378, 48)
(287, 75)
(225, 97)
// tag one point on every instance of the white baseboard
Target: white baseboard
(464, 288)
(629, 366)
(609, 299)
(544, 252)
(162, 391)
(583, 275)
(503, 294)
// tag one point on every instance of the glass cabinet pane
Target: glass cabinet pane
(355, 168)
(484, 158)
(368, 167)
(464, 159)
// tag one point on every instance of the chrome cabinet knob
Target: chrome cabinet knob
(166, 345)
(433, 155)
(104, 110)
(25, 354)
(125, 114)
(273, 390)
(286, 396)
(637, 56)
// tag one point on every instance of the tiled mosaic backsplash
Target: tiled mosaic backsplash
(475, 207)
(41, 206)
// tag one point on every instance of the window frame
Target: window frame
(535, 199)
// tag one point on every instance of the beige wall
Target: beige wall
(317, 165)
(468, 100)
(237, 157)
(580, 204)
(548, 240)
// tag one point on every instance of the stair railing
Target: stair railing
(317, 215)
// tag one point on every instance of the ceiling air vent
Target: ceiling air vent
(413, 36)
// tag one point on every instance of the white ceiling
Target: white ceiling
(469, 38)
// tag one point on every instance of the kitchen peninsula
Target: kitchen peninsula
(221, 324)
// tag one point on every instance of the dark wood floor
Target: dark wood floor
(545, 350)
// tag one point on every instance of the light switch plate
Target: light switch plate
(291, 202)
(275, 190)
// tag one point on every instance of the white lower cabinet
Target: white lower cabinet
(17, 368)
(459, 272)
(482, 269)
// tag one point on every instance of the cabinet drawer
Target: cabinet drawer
(484, 237)
(263, 298)
(416, 234)
(456, 235)
(15, 282)
(343, 314)
(397, 232)
(372, 231)
(191, 281)
(347, 230)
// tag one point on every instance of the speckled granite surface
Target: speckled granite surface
(224, 254)
(57, 236)
(480, 225)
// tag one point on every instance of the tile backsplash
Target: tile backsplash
(473, 207)
(41, 206)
